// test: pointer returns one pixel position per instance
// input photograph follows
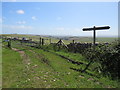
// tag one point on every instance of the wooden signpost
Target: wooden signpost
(94, 39)
(94, 33)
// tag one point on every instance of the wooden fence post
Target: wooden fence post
(42, 41)
(9, 43)
(73, 41)
(50, 40)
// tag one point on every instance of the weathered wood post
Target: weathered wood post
(42, 41)
(73, 41)
(73, 46)
(94, 32)
(21, 41)
(50, 41)
(9, 43)
(94, 37)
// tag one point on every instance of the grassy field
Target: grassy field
(66, 39)
(27, 67)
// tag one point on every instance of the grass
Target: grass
(75, 56)
(44, 69)
(51, 66)
(12, 68)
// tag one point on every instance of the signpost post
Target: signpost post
(94, 32)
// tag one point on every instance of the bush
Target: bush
(108, 58)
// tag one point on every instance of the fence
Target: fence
(72, 47)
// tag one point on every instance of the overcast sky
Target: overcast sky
(59, 18)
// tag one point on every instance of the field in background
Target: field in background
(66, 39)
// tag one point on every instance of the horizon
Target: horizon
(59, 18)
(62, 35)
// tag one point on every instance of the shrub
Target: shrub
(108, 58)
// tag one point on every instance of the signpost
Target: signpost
(94, 39)
(94, 32)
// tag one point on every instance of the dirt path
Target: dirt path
(25, 58)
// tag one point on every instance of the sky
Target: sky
(59, 18)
